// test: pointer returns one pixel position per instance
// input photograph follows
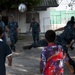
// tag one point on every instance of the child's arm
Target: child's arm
(9, 60)
(69, 67)
(66, 61)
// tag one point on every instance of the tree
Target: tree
(9, 4)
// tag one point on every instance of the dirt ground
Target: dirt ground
(26, 62)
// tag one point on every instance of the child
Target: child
(52, 57)
(4, 52)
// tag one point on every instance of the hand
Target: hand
(9, 61)
(9, 64)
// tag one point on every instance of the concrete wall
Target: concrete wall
(44, 20)
(24, 27)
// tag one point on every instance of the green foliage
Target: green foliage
(8, 4)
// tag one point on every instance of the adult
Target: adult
(69, 25)
(35, 30)
(13, 32)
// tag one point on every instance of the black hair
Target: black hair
(11, 15)
(50, 36)
(1, 30)
(72, 18)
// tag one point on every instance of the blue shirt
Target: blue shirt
(13, 27)
(2, 25)
(66, 36)
(4, 52)
(69, 25)
(35, 26)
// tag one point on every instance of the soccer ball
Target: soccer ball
(22, 8)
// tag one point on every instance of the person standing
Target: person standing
(35, 30)
(13, 32)
(2, 24)
(5, 52)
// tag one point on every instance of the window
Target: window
(28, 17)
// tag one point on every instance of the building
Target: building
(61, 14)
(41, 12)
